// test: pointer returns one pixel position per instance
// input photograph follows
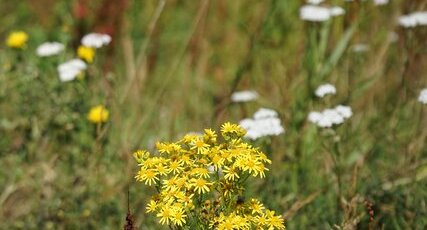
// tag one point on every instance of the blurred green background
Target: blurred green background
(170, 70)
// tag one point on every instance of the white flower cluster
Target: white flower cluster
(329, 117)
(319, 13)
(70, 69)
(265, 122)
(325, 89)
(380, 2)
(413, 19)
(423, 96)
(315, 2)
(49, 49)
(244, 96)
(96, 40)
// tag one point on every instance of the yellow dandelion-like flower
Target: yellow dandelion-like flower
(175, 167)
(200, 185)
(148, 176)
(165, 215)
(274, 222)
(17, 39)
(98, 114)
(152, 206)
(86, 53)
(178, 216)
(200, 146)
(228, 129)
(201, 172)
(256, 206)
(230, 173)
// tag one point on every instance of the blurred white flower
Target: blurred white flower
(344, 111)
(325, 89)
(96, 40)
(413, 19)
(264, 123)
(69, 70)
(380, 2)
(329, 117)
(360, 48)
(244, 96)
(423, 96)
(315, 2)
(49, 49)
(314, 13)
(336, 11)
(319, 13)
(265, 113)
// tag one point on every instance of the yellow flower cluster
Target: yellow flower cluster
(200, 180)
(86, 53)
(98, 114)
(17, 39)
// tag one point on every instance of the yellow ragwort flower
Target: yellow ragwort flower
(98, 114)
(17, 39)
(86, 53)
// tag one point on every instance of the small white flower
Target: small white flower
(344, 111)
(360, 48)
(333, 116)
(336, 11)
(96, 40)
(329, 117)
(69, 70)
(244, 96)
(315, 2)
(423, 96)
(380, 2)
(265, 113)
(319, 13)
(414, 19)
(314, 13)
(264, 123)
(325, 89)
(49, 49)
(315, 117)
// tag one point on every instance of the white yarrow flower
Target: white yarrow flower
(69, 70)
(329, 117)
(49, 49)
(325, 89)
(413, 19)
(264, 123)
(423, 96)
(380, 2)
(96, 40)
(319, 13)
(344, 111)
(314, 2)
(244, 96)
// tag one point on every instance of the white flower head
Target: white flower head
(413, 20)
(329, 117)
(325, 89)
(344, 111)
(314, 13)
(244, 96)
(336, 11)
(49, 49)
(360, 48)
(319, 13)
(423, 96)
(380, 2)
(264, 123)
(69, 70)
(315, 2)
(96, 40)
(265, 113)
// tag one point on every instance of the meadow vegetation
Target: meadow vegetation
(170, 70)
